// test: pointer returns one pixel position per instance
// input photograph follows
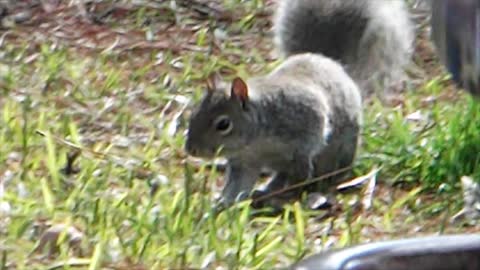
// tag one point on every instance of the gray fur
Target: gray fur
(372, 38)
(302, 120)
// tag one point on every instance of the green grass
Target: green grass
(434, 150)
(140, 203)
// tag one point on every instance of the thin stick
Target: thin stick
(304, 183)
(73, 145)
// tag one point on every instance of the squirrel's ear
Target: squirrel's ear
(239, 90)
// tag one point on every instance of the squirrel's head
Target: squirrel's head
(219, 121)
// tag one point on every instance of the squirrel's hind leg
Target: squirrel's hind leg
(337, 157)
(295, 171)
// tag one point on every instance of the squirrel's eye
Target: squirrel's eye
(223, 124)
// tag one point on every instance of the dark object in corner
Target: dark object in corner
(448, 252)
(456, 35)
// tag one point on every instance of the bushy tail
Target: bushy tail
(372, 38)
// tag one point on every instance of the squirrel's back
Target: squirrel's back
(312, 81)
(325, 77)
(371, 38)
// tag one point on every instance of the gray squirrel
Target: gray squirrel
(372, 39)
(303, 119)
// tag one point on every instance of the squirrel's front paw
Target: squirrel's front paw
(220, 205)
(226, 202)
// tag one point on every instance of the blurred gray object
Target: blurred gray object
(456, 35)
(447, 252)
